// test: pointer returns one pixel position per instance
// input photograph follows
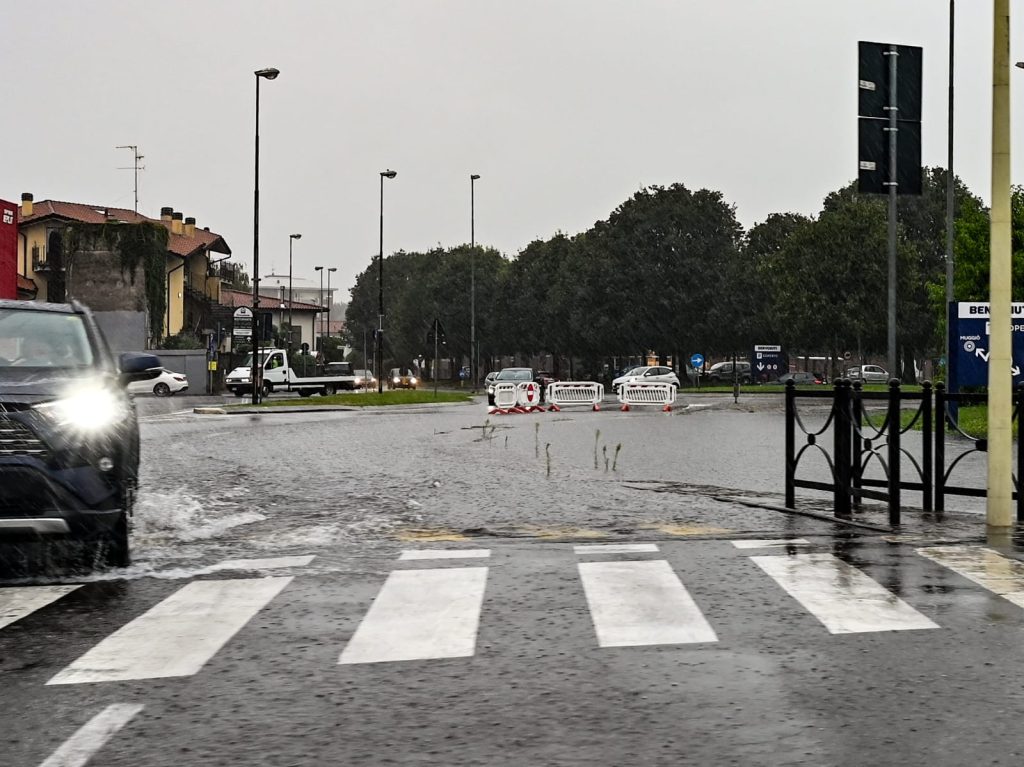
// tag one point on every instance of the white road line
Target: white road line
(77, 750)
(17, 602)
(844, 599)
(766, 543)
(1001, 575)
(445, 554)
(614, 548)
(421, 614)
(176, 637)
(641, 603)
(262, 564)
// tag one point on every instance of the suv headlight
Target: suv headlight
(90, 410)
(413, 380)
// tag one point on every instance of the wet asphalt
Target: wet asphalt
(355, 488)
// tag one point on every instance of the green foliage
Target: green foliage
(182, 341)
(373, 399)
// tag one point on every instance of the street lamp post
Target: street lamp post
(268, 74)
(380, 287)
(291, 239)
(328, 334)
(473, 361)
(320, 313)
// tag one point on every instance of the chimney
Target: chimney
(26, 204)
(190, 227)
(176, 223)
(165, 214)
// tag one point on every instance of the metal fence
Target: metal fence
(861, 437)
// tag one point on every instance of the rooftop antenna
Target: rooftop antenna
(136, 167)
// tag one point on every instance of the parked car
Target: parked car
(648, 374)
(868, 374)
(722, 372)
(69, 436)
(365, 379)
(516, 375)
(545, 378)
(164, 385)
(801, 378)
(402, 378)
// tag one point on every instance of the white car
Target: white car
(647, 374)
(164, 385)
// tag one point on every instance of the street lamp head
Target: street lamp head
(317, 268)
(474, 176)
(269, 73)
(388, 173)
(295, 236)
(1019, 64)
(333, 269)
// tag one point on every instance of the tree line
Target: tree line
(672, 271)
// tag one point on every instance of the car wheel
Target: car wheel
(237, 392)
(162, 390)
(265, 389)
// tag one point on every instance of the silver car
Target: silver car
(868, 374)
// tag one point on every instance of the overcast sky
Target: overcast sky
(565, 109)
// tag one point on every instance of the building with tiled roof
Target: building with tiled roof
(95, 278)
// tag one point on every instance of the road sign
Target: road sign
(767, 362)
(970, 347)
(242, 325)
(697, 360)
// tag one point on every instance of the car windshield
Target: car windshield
(248, 359)
(35, 339)
(515, 374)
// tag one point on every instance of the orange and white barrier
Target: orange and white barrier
(530, 397)
(653, 393)
(563, 393)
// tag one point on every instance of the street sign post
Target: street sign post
(697, 362)
(241, 326)
(767, 362)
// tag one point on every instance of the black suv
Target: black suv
(69, 437)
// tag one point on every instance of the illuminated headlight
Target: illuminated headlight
(89, 410)
(412, 380)
(397, 380)
(490, 390)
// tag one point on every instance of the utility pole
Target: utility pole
(136, 167)
(999, 505)
(893, 185)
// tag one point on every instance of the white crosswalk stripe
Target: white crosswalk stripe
(419, 615)
(641, 603)
(989, 569)
(178, 636)
(844, 599)
(21, 601)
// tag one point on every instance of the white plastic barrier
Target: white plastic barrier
(654, 393)
(506, 395)
(562, 393)
(529, 396)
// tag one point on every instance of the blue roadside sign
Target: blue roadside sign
(696, 360)
(970, 347)
(767, 362)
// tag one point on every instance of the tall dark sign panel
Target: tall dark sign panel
(874, 92)
(8, 249)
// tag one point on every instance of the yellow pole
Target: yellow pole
(1000, 507)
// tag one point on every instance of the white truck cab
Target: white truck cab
(278, 375)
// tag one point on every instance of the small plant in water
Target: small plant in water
(536, 439)
(547, 455)
(615, 460)
(597, 438)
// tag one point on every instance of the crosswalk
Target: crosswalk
(432, 602)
